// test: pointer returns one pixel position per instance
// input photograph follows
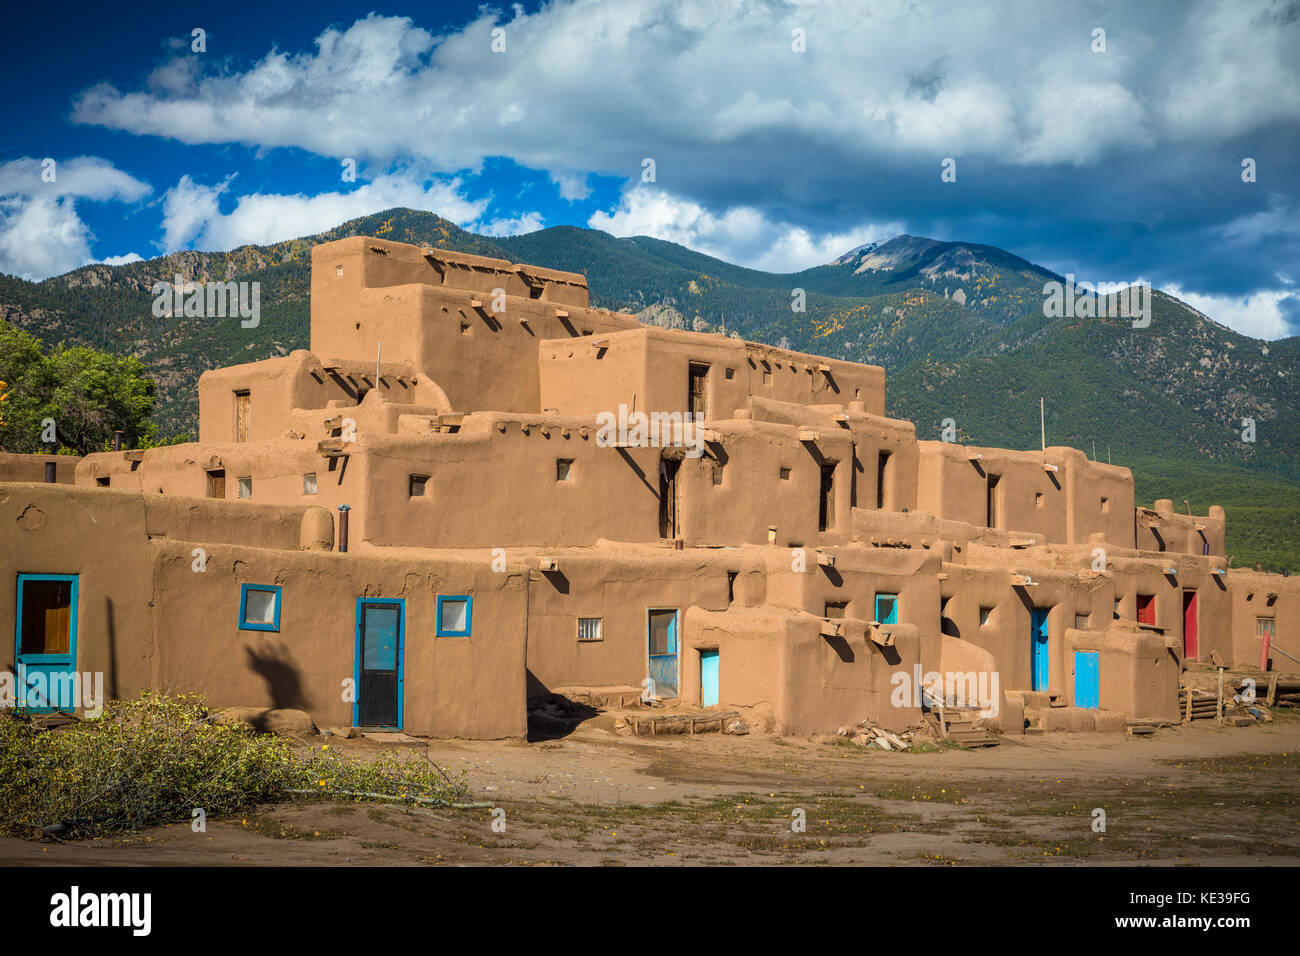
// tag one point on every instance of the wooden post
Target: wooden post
(1219, 708)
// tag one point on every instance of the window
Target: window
(245, 487)
(731, 585)
(731, 373)
(259, 607)
(309, 484)
(698, 397)
(1265, 626)
(242, 409)
(589, 629)
(984, 615)
(1105, 506)
(1038, 499)
(717, 472)
(102, 482)
(1081, 622)
(887, 608)
(563, 469)
(1146, 608)
(454, 613)
(826, 500)
(47, 613)
(767, 377)
(991, 507)
(419, 486)
(836, 609)
(882, 465)
(785, 474)
(217, 483)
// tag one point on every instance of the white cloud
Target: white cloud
(41, 234)
(589, 86)
(518, 225)
(740, 235)
(122, 260)
(192, 217)
(1260, 315)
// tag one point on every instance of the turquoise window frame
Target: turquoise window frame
(469, 615)
(247, 625)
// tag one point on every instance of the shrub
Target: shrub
(156, 758)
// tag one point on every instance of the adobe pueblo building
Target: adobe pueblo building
(475, 490)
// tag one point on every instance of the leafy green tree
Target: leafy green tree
(87, 393)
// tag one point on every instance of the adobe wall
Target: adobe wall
(362, 300)
(1163, 529)
(1066, 505)
(1254, 594)
(101, 536)
(17, 467)
(618, 585)
(282, 390)
(1137, 674)
(781, 662)
(453, 686)
(648, 368)
(153, 612)
(1145, 573)
(871, 436)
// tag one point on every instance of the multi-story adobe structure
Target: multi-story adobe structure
(426, 520)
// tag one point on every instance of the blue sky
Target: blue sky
(1115, 158)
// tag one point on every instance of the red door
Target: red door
(1191, 650)
(1146, 608)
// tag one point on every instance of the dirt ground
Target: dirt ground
(1199, 794)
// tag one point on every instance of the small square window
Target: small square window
(589, 629)
(717, 472)
(245, 487)
(309, 484)
(984, 615)
(259, 607)
(836, 610)
(419, 486)
(454, 613)
(731, 373)
(767, 377)
(563, 469)
(785, 474)
(338, 270)
(1081, 622)
(1038, 499)
(103, 482)
(1105, 506)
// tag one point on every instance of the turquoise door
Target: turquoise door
(45, 641)
(1087, 679)
(1041, 663)
(887, 608)
(661, 645)
(379, 663)
(709, 677)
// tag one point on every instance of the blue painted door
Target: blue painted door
(379, 663)
(45, 641)
(661, 643)
(887, 608)
(708, 678)
(1087, 679)
(1041, 666)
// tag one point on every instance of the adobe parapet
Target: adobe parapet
(713, 375)
(378, 263)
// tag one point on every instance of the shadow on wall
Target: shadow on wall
(282, 682)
